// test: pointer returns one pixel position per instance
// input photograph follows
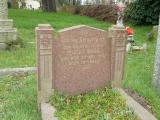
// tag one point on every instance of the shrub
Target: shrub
(143, 12)
(100, 12)
(13, 45)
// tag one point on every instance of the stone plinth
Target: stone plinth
(7, 32)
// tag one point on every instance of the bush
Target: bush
(100, 12)
(143, 12)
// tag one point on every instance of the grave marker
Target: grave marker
(79, 59)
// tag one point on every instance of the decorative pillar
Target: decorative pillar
(7, 32)
(44, 39)
(118, 37)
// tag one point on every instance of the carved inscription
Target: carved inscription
(82, 60)
(83, 51)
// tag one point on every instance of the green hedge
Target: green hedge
(143, 12)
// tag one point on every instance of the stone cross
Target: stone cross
(3, 9)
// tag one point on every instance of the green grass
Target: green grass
(18, 98)
(26, 21)
(105, 104)
(139, 70)
(15, 99)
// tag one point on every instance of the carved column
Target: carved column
(44, 40)
(118, 37)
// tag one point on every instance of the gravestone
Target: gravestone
(79, 59)
(156, 74)
(7, 32)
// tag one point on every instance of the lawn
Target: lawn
(139, 70)
(26, 21)
(18, 95)
(18, 98)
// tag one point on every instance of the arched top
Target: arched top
(80, 27)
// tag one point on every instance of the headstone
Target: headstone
(7, 32)
(82, 60)
(79, 59)
(156, 74)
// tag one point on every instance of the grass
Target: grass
(18, 98)
(26, 21)
(139, 70)
(105, 104)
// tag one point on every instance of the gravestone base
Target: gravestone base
(7, 33)
(3, 46)
(6, 24)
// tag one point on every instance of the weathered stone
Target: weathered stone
(17, 71)
(48, 112)
(8, 35)
(45, 61)
(80, 59)
(7, 32)
(138, 109)
(118, 37)
(155, 28)
(3, 46)
(156, 74)
(6, 24)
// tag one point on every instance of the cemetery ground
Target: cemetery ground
(18, 94)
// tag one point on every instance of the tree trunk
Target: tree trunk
(156, 74)
(49, 5)
(15, 4)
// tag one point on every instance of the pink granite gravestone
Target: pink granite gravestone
(79, 59)
(82, 60)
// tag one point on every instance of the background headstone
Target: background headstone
(7, 32)
(156, 74)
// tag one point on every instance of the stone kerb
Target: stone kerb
(80, 59)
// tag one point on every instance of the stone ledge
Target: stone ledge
(17, 71)
(3, 46)
(138, 109)
(47, 112)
